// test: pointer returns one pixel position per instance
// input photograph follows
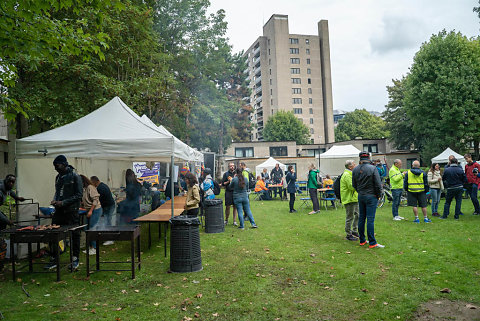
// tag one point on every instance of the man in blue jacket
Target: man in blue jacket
(416, 185)
(453, 179)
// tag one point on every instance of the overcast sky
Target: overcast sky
(371, 41)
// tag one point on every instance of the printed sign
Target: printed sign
(146, 174)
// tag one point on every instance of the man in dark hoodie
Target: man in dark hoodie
(416, 185)
(453, 179)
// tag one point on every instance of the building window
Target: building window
(269, 52)
(296, 90)
(271, 91)
(307, 41)
(371, 148)
(311, 130)
(309, 81)
(293, 41)
(310, 101)
(271, 82)
(5, 157)
(294, 51)
(409, 162)
(309, 90)
(309, 71)
(308, 61)
(294, 165)
(268, 41)
(278, 151)
(296, 81)
(294, 60)
(297, 111)
(311, 120)
(270, 71)
(243, 151)
(307, 51)
(271, 104)
(294, 70)
(310, 110)
(269, 61)
(297, 101)
(314, 152)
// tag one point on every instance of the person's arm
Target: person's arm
(94, 196)
(405, 182)
(377, 184)
(425, 183)
(354, 182)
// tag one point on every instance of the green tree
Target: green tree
(442, 93)
(397, 122)
(360, 123)
(284, 126)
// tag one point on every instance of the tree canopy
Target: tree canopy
(360, 123)
(284, 126)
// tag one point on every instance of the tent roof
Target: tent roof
(443, 156)
(113, 131)
(269, 164)
(341, 151)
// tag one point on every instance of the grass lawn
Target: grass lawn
(293, 267)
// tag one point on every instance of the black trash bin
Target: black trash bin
(185, 253)
(214, 216)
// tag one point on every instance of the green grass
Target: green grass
(293, 267)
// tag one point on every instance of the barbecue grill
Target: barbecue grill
(54, 235)
(115, 233)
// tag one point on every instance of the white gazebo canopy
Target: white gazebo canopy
(269, 164)
(341, 151)
(443, 157)
(332, 162)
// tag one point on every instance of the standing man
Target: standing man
(366, 181)
(6, 187)
(471, 171)
(68, 194)
(453, 179)
(227, 178)
(313, 186)
(416, 184)
(349, 197)
(396, 182)
(106, 201)
(276, 176)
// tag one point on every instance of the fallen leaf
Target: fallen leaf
(436, 272)
(385, 303)
(118, 309)
(159, 284)
(197, 307)
(195, 281)
(312, 255)
(85, 305)
(185, 318)
(199, 295)
(234, 300)
(364, 290)
(55, 312)
(47, 294)
(124, 291)
(264, 308)
(196, 315)
(184, 308)
(84, 309)
(218, 292)
(304, 282)
(185, 279)
(156, 304)
(258, 274)
(136, 291)
(118, 273)
(445, 290)
(348, 252)
(215, 314)
(93, 311)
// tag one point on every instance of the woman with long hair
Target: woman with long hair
(240, 198)
(91, 203)
(130, 208)
(291, 178)
(436, 186)
(193, 195)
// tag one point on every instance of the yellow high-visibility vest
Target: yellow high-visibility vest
(415, 183)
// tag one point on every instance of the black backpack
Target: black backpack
(336, 187)
(251, 181)
(216, 187)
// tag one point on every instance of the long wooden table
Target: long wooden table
(162, 215)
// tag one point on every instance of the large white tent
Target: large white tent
(103, 143)
(332, 162)
(442, 158)
(269, 164)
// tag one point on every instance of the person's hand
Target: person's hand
(57, 203)
(89, 214)
(405, 173)
(439, 179)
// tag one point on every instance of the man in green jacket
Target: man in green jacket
(349, 198)
(312, 188)
(396, 182)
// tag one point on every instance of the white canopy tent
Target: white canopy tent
(442, 158)
(103, 143)
(332, 162)
(269, 164)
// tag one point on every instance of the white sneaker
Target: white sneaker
(91, 251)
(400, 217)
(108, 243)
(397, 218)
(235, 224)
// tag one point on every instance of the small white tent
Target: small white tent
(442, 158)
(269, 164)
(333, 160)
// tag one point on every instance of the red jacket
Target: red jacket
(471, 177)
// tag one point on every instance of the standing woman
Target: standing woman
(240, 198)
(91, 203)
(436, 186)
(193, 195)
(291, 178)
(312, 188)
(133, 189)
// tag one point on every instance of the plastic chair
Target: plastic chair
(329, 196)
(305, 201)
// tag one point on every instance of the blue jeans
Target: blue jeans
(93, 221)
(242, 203)
(367, 206)
(396, 196)
(451, 194)
(473, 196)
(435, 193)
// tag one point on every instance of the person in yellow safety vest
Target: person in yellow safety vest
(396, 182)
(416, 184)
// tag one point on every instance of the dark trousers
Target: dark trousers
(472, 192)
(451, 194)
(69, 217)
(314, 197)
(292, 201)
(367, 206)
(192, 212)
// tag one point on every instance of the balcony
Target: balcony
(257, 60)
(256, 51)
(258, 89)
(258, 79)
(258, 100)
(257, 71)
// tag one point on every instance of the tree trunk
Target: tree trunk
(220, 143)
(475, 149)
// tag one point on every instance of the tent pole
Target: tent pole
(172, 172)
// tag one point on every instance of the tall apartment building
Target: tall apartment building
(292, 73)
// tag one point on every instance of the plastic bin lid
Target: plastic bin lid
(212, 202)
(185, 220)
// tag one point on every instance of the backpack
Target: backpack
(251, 181)
(319, 179)
(336, 187)
(216, 187)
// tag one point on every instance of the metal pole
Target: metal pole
(172, 183)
